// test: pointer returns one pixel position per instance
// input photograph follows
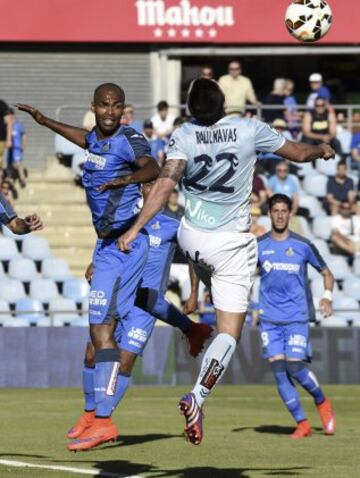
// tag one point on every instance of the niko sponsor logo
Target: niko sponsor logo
(191, 21)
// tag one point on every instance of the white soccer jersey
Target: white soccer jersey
(220, 167)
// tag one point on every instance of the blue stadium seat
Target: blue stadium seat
(322, 227)
(339, 267)
(12, 290)
(8, 248)
(5, 313)
(80, 322)
(315, 185)
(351, 287)
(312, 204)
(327, 167)
(36, 248)
(334, 321)
(18, 237)
(76, 289)
(347, 307)
(63, 311)
(31, 310)
(56, 269)
(43, 290)
(22, 269)
(16, 322)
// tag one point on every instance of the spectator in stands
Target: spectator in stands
(237, 88)
(345, 227)
(259, 193)
(89, 120)
(340, 188)
(292, 115)
(157, 145)
(343, 134)
(284, 183)
(163, 121)
(256, 228)
(207, 71)
(5, 129)
(15, 154)
(319, 125)
(318, 89)
(173, 208)
(276, 97)
(355, 149)
(128, 118)
(206, 310)
(9, 192)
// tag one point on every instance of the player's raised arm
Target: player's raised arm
(170, 175)
(72, 133)
(304, 153)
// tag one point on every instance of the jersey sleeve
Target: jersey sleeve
(267, 140)
(176, 148)
(7, 213)
(138, 145)
(315, 259)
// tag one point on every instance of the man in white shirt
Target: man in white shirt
(237, 88)
(345, 235)
(163, 122)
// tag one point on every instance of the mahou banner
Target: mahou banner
(159, 21)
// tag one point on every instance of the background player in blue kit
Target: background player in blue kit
(133, 331)
(285, 309)
(112, 151)
(15, 154)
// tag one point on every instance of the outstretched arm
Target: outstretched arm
(24, 226)
(169, 176)
(304, 153)
(72, 133)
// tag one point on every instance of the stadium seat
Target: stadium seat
(347, 307)
(305, 169)
(12, 290)
(43, 290)
(304, 225)
(356, 266)
(80, 322)
(32, 311)
(351, 287)
(76, 289)
(56, 269)
(36, 248)
(312, 273)
(8, 248)
(317, 288)
(322, 227)
(312, 204)
(2, 272)
(22, 269)
(15, 322)
(327, 167)
(339, 267)
(179, 272)
(334, 321)
(265, 221)
(323, 248)
(315, 185)
(5, 314)
(85, 306)
(63, 311)
(17, 237)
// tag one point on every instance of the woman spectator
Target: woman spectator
(276, 97)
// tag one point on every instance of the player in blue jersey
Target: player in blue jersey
(285, 309)
(112, 151)
(15, 154)
(133, 332)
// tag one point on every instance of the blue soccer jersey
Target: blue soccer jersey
(285, 295)
(107, 159)
(15, 153)
(7, 213)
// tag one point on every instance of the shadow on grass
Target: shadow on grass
(129, 440)
(271, 429)
(212, 472)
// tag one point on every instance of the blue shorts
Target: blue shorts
(290, 340)
(115, 280)
(14, 155)
(133, 331)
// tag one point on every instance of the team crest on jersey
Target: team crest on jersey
(290, 252)
(106, 148)
(156, 226)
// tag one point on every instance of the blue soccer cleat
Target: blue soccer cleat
(193, 416)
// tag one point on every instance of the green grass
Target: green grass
(246, 430)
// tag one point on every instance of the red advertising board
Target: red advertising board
(170, 21)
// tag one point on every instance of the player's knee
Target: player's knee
(278, 368)
(127, 362)
(294, 367)
(146, 299)
(102, 335)
(89, 360)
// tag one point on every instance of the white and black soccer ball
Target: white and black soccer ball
(308, 20)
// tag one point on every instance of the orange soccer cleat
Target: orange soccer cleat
(101, 431)
(302, 430)
(84, 422)
(197, 335)
(327, 416)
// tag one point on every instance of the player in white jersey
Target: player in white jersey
(215, 155)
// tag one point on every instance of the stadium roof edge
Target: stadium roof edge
(261, 50)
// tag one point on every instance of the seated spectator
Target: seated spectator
(8, 191)
(292, 115)
(343, 134)
(276, 97)
(340, 188)
(163, 121)
(89, 120)
(207, 71)
(128, 119)
(259, 193)
(318, 89)
(207, 310)
(345, 235)
(237, 88)
(319, 125)
(157, 145)
(173, 208)
(256, 228)
(284, 183)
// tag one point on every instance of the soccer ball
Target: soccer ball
(308, 20)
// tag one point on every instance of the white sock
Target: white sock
(214, 364)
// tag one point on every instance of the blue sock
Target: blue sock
(106, 372)
(306, 378)
(168, 313)
(89, 388)
(122, 384)
(287, 390)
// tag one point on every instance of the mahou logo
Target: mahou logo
(184, 19)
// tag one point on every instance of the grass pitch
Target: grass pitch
(246, 430)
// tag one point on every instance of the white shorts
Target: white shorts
(227, 262)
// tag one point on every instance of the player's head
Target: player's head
(206, 101)
(280, 212)
(108, 106)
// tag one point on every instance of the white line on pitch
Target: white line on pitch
(81, 471)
